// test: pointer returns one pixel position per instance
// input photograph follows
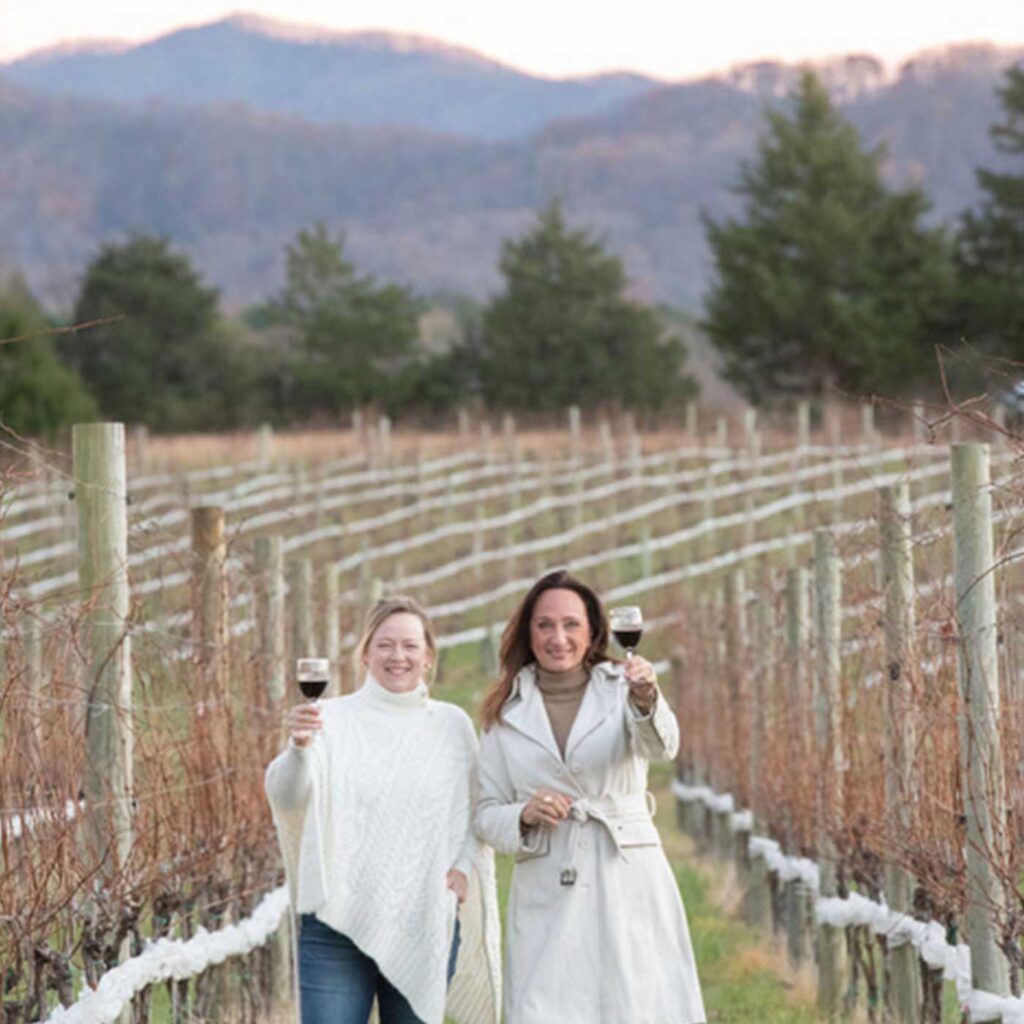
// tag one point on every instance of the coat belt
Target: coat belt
(606, 813)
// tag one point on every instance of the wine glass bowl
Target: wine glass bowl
(627, 626)
(313, 675)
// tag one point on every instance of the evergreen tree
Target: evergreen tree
(563, 331)
(164, 360)
(39, 395)
(990, 246)
(829, 279)
(351, 337)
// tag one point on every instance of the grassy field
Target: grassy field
(742, 977)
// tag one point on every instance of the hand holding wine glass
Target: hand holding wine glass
(312, 675)
(627, 625)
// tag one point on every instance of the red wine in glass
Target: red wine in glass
(627, 627)
(628, 639)
(312, 688)
(313, 675)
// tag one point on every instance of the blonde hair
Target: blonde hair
(383, 609)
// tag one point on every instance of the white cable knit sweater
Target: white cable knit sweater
(371, 816)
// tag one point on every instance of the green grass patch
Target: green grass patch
(739, 977)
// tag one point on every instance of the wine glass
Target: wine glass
(627, 625)
(313, 675)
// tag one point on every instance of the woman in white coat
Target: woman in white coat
(596, 931)
(373, 803)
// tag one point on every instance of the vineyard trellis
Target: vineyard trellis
(198, 880)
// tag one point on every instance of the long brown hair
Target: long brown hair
(516, 651)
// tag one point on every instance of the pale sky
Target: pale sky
(670, 39)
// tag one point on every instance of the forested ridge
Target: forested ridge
(230, 184)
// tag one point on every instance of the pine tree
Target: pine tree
(39, 395)
(162, 359)
(564, 332)
(351, 336)
(990, 246)
(829, 279)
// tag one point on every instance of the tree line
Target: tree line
(154, 348)
(824, 280)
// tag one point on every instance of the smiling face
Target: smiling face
(559, 630)
(397, 655)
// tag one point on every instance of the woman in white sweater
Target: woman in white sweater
(373, 800)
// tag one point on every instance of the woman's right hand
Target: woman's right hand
(545, 807)
(303, 724)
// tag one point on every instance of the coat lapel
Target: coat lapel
(601, 698)
(528, 715)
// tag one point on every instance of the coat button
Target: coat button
(574, 767)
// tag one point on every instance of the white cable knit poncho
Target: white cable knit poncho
(371, 816)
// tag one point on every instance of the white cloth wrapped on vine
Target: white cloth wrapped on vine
(371, 816)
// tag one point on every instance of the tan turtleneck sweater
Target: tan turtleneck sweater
(563, 694)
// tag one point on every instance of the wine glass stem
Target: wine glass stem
(629, 653)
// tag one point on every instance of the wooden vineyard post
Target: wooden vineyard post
(140, 443)
(918, 423)
(803, 423)
(646, 552)
(607, 444)
(30, 636)
(268, 573)
(751, 435)
(575, 452)
(868, 430)
(331, 627)
(101, 494)
(508, 430)
(980, 748)
(209, 600)
(798, 460)
(265, 444)
(300, 599)
(270, 636)
(384, 440)
(828, 761)
(735, 670)
(999, 423)
(485, 443)
(705, 546)
(904, 995)
(209, 643)
(797, 632)
(692, 420)
(759, 897)
(721, 432)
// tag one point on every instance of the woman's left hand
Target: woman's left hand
(642, 682)
(458, 884)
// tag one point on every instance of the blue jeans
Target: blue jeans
(337, 980)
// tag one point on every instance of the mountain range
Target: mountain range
(230, 137)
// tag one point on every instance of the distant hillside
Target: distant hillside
(231, 185)
(368, 78)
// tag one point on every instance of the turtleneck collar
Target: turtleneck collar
(562, 685)
(410, 700)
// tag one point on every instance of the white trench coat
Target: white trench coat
(596, 931)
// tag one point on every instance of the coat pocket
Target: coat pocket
(635, 831)
(538, 846)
